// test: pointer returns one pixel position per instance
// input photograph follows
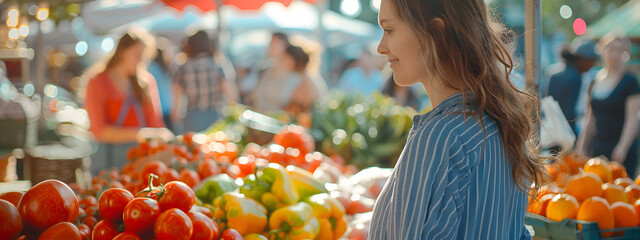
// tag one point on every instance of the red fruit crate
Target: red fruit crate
(570, 229)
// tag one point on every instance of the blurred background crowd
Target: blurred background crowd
(103, 69)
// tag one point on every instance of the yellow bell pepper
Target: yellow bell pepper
(330, 214)
(241, 213)
(254, 236)
(295, 222)
(281, 183)
(304, 182)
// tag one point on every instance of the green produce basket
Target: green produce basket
(568, 229)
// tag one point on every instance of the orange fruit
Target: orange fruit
(613, 193)
(624, 182)
(638, 180)
(601, 167)
(574, 162)
(562, 206)
(539, 206)
(585, 185)
(596, 209)
(633, 192)
(636, 205)
(618, 170)
(625, 215)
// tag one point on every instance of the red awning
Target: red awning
(209, 5)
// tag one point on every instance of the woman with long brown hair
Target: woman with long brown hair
(120, 100)
(469, 163)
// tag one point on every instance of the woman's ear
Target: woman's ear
(438, 23)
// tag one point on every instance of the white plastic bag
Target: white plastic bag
(554, 127)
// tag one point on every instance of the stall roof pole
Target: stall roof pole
(532, 38)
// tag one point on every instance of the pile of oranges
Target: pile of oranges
(594, 190)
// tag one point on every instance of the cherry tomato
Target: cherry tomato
(46, 204)
(189, 177)
(207, 168)
(115, 184)
(187, 138)
(204, 228)
(127, 236)
(231, 234)
(10, 221)
(88, 201)
(177, 195)
(63, 230)
(140, 215)
(91, 210)
(84, 230)
(246, 164)
(156, 167)
(12, 197)
(90, 221)
(112, 203)
(170, 175)
(104, 230)
(207, 212)
(173, 224)
(125, 180)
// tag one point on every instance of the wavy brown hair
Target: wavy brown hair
(473, 54)
(139, 87)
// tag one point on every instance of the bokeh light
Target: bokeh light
(81, 48)
(12, 17)
(43, 13)
(350, 8)
(579, 26)
(24, 30)
(14, 34)
(566, 12)
(375, 5)
(107, 44)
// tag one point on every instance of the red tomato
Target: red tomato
(115, 184)
(189, 177)
(125, 180)
(90, 221)
(10, 221)
(170, 175)
(231, 234)
(156, 167)
(177, 195)
(140, 214)
(63, 230)
(112, 203)
(114, 175)
(127, 236)
(46, 204)
(187, 138)
(12, 197)
(294, 136)
(91, 210)
(173, 224)
(84, 230)
(246, 164)
(88, 201)
(104, 230)
(207, 212)
(204, 228)
(24, 237)
(207, 168)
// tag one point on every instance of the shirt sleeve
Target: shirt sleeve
(95, 104)
(425, 206)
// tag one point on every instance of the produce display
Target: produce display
(592, 190)
(201, 186)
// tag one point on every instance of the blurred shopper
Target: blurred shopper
(611, 119)
(275, 51)
(201, 86)
(159, 68)
(404, 96)
(287, 86)
(363, 79)
(120, 100)
(565, 81)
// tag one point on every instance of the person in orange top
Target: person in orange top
(120, 100)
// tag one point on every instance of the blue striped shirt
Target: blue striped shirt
(451, 183)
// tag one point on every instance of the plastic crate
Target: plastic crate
(568, 229)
